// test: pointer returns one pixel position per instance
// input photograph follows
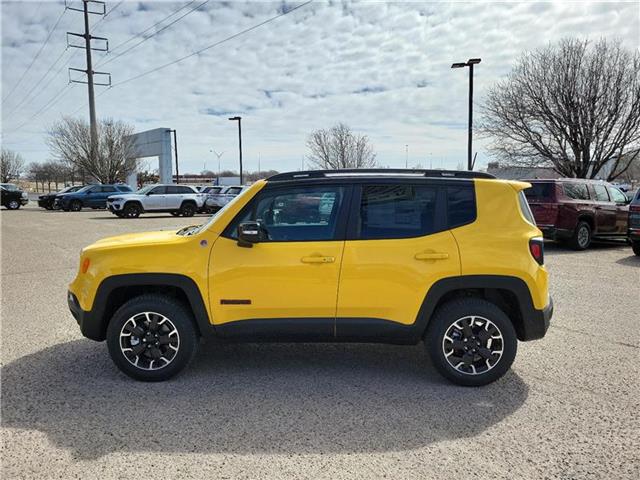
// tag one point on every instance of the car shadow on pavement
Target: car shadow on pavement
(250, 398)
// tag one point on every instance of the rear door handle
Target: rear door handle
(317, 259)
(431, 256)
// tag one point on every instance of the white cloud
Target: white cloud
(382, 68)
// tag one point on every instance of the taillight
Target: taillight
(634, 208)
(536, 247)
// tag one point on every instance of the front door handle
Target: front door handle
(431, 256)
(317, 259)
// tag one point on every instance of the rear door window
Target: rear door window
(397, 211)
(601, 193)
(576, 191)
(109, 189)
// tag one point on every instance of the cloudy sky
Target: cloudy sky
(381, 67)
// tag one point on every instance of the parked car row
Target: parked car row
(122, 201)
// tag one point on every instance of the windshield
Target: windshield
(84, 189)
(199, 228)
(10, 187)
(144, 190)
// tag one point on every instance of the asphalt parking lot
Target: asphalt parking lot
(570, 407)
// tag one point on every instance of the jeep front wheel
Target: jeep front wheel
(471, 341)
(152, 338)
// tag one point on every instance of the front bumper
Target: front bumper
(536, 323)
(114, 207)
(88, 326)
(24, 201)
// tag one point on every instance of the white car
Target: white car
(176, 199)
(216, 201)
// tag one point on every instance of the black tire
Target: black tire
(49, 207)
(581, 238)
(161, 306)
(131, 210)
(13, 205)
(188, 209)
(75, 206)
(490, 320)
(175, 214)
(635, 246)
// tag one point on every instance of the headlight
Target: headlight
(25, 195)
(114, 199)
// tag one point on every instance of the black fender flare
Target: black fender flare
(100, 314)
(442, 287)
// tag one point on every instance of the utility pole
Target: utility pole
(175, 149)
(239, 120)
(89, 72)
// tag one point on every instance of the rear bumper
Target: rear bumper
(88, 326)
(536, 322)
(634, 234)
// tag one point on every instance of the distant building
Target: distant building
(511, 172)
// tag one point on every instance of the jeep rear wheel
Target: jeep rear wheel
(188, 209)
(581, 238)
(152, 338)
(13, 205)
(131, 210)
(471, 341)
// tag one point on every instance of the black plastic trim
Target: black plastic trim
(93, 323)
(534, 323)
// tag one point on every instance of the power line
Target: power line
(49, 104)
(220, 42)
(151, 27)
(110, 59)
(38, 83)
(106, 15)
(37, 55)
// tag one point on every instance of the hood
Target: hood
(136, 239)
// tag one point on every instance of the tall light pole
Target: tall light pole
(406, 159)
(469, 63)
(239, 120)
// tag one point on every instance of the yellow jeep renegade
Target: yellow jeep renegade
(389, 256)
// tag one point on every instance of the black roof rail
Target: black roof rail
(303, 175)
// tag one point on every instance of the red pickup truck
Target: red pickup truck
(576, 210)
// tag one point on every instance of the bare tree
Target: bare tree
(11, 165)
(339, 148)
(574, 106)
(112, 160)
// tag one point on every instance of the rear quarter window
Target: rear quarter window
(540, 191)
(461, 205)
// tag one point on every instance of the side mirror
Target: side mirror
(250, 233)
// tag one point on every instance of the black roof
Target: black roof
(377, 172)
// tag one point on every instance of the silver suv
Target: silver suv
(176, 199)
(215, 201)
